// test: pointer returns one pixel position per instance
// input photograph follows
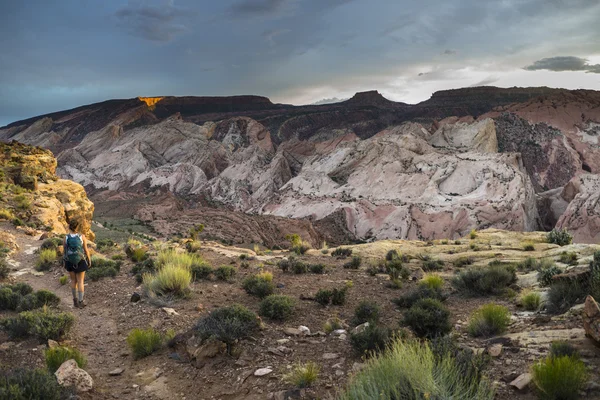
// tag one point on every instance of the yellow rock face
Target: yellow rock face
(150, 101)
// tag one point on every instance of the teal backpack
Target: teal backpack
(74, 251)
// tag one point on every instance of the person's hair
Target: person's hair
(74, 225)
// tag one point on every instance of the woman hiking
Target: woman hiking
(77, 261)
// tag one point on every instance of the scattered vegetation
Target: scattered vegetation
(546, 270)
(334, 296)
(103, 267)
(104, 244)
(473, 234)
(195, 231)
(169, 280)
(341, 252)
(565, 294)
(145, 267)
(373, 339)
(333, 324)
(489, 319)
(528, 246)
(568, 257)
(560, 378)
(432, 265)
(52, 243)
(225, 273)
(298, 245)
(421, 292)
(428, 318)
(492, 279)
(20, 297)
(354, 263)
(46, 260)
(463, 261)
(42, 323)
(303, 375)
(366, 311)
(228, 324)
(194, 246)
(58, 355)
(6, 214)
(201, 272)
(560, 237)
(144, 342)
(432, 281)
(560, 348)
(317, 268)
(63, 280)
(277, 307)
(260, 285)
(531, 301)
(21, 384)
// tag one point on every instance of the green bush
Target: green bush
(317, 268)
(58, 355)
(432, 265)
(201, 272)
(9, 300)
(51, 243)
(432, 281)
(103, 267)
(560, 348)
(63, 280)
(103, 262)
(463, 261)
(20, 287)
(259, 285)
(391, 255)
(421, 292)
(564, 295)
(28, 303)
(492, 279)
(140, 269)
(341, 252)
(105, 244)
(4, 269)
(428, 318)
(366, 311)
(546, 272)
(528, 247)
(225, 272)
(560, 378)
(338, 296)
(372, 339)
(193, 247)
(410, 370)
(559, 236)
(473, 234)
(569, 258)
(469, 365)
(139, 254)
(531, 301)
(46, 260)
(298, 267)
(24, 384)
(303, 375)
(323, 296)
(489, 319)
(228, 325)
(277, 307)
(144, 342)
(43, 323)
(354, 263)
(169, 280)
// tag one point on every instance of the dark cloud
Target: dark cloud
(449, 52)
(256, 7)
(158, 23)
(564, 63)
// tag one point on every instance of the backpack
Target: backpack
(74, 251)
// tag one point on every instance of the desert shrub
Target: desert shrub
(432, 265)
(397, 271)
(38, 299)
(391, 255)
(473, 234)
(105, 244)
(366, 311)
(298, 245)
(103, 262)
(9, 300)
(52, 243)
(284, 264)
(410, 370)
(17, 222)
(569, 258)
(492, 279)
(560, 378)
(428, 318)
(463, 261)
(421, 292)
(528, 247)
(333, 324)
(298, 267)
(41, 323)
(341, 252)
(354, 263)
(531, 301)
(317, 268)
(195, 231)
(278, 307)
(46, 259)
(131, 245)
(28, 303)
(63, 280)
(21, 287)
(169, 280)
(144, 342)
(432, 281)
(338, 296)
(24, 384)
(489, 319)
(201, 272)
(22, 202)
(560, 237)
(323, 296)
(469, 365)
(193, 247)
(139, 254)
(103, 267)
(4, 270)
(564, 295)
(117, 257)
(225, 273)
(140, 269)
(58, 355)
(372, 339)
(6, 214)
(303, 375)
(546, 271)
(259, 285)
(560, 348)
(228, 324)
(529, 264)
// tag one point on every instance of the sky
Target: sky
(59, 54)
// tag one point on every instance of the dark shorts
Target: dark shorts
(81, 267)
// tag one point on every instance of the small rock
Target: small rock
(262, 371)
(116, 372)
(330, 356)
(292, 331)
(6, 345)
(342, 336)
(338, 332)
(304, 330)
(522, 381)
(69, 374)
(169, 311)
(495, 350)
(199, 307)
(360, 328)
(282, 341)
(52, 343)
(135, 297)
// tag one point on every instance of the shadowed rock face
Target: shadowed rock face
(366, 168)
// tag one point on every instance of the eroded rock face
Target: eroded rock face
(582, 216)
(591, 319)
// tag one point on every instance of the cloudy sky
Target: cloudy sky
(63, 53)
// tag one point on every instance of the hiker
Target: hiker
(77, 261)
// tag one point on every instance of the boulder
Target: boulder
(522, 381)
(591, 319)
(69, 374)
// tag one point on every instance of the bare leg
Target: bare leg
(80, 286)
(74, 287)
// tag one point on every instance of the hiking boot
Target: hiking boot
(75, 303)
(82, 304)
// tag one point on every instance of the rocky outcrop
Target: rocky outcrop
(591, 319)
(50, 203)
(582, 216)
(70, 375)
